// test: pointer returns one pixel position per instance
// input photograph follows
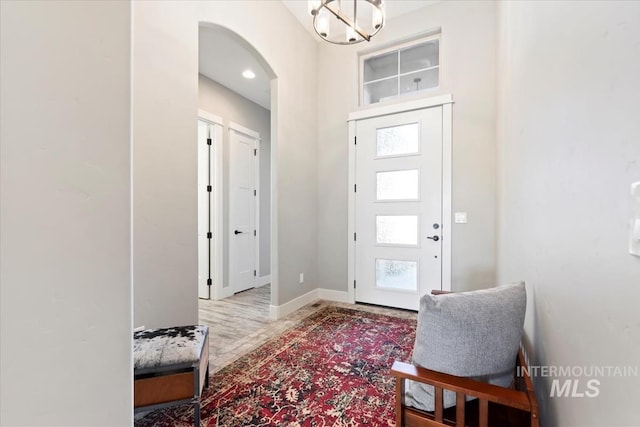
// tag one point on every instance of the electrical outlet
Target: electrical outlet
(301, 278)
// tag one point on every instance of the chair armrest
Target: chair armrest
(528, 385)
(492, 393)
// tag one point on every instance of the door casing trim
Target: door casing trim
(401, 107)
(217, 270)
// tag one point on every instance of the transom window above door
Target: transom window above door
(402, 70)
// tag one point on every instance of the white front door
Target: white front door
(242, 211)
(398, 207)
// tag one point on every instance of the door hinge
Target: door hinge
(209, 235)
(254, 273)
(255, 151)
(208, 141)
(355, 188)
(209, 281)
(354, 237)
(255, 233)
(209, 189)
(255, 193)
(354, 284)
(355, 140)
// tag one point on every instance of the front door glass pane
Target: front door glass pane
(396, 274)
(397, 230)
(397, 140)
(397, 185)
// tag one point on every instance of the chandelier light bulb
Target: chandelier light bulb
(352, 36)
(313, 6)
(376, 18)
(323, 23)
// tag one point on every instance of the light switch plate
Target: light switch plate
(634, 223)
(460, 217)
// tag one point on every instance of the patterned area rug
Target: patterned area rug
(330, 370)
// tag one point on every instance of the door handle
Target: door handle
(237, 232)
(434, 238)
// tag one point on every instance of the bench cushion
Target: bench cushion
(168, 347)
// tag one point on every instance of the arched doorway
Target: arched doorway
(235, 188)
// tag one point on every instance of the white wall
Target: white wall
(65, 214)
(232, 107)
(569, 149)
(165, 103)
(468, 52)
(164, 124)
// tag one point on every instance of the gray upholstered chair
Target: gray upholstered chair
(467, 349)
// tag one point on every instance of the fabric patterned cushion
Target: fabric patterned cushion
(469, 334)
(155, 348)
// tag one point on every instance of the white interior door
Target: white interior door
(242, 210)
(398, 207)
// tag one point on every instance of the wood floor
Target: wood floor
(241, 323)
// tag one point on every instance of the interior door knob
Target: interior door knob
(434, 238)
(237, 232)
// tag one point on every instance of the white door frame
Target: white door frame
(217, 265)
(446, 102)
(235, 127)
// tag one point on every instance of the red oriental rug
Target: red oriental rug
(330, 370)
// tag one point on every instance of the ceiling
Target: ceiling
(223, 56)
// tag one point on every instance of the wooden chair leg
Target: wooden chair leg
(439, 404)
(484, 413)
(460, 402)
(399, 400)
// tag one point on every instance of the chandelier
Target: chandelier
(352, 16)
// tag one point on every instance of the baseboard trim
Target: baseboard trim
(263, 280)
(333, 295)
(279, 311)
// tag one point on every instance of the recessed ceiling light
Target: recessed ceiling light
(248, 74)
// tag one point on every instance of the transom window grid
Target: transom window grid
(407, 69)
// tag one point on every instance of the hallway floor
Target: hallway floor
(241, 323)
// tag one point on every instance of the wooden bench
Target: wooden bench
(493, 406)
(171, 367)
